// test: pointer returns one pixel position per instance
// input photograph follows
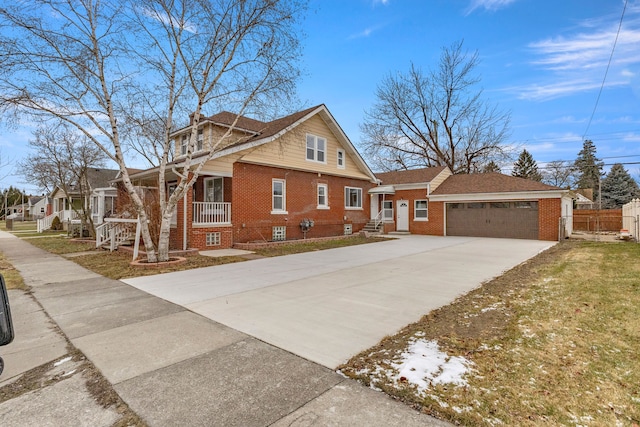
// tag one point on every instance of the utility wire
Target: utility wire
(606, 71)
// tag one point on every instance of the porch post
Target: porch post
(184, 221)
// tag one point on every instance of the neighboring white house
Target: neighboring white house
(100, 201)
(37, 206)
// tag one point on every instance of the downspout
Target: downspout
(184, 212)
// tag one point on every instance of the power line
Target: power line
(606, 71)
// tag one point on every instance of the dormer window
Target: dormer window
(316, 149)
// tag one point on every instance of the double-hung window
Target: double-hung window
(213, 190)
(352, 198)
(340, 160)
(278, 196)
(323, 201)
(200, 139)
(421, 210)
(316, 149)
(184, 144)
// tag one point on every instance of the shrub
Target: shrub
(56, 224)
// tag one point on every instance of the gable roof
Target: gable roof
(268, 132)
(100, 178)
(489, 183)
(410, 176)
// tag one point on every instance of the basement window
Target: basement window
(348, 229)
(279, 233)
(213, 239)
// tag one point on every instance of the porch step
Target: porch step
(370, 227)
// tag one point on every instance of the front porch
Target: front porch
(211, 213)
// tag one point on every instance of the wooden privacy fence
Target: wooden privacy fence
(597, 220)
(631, 218)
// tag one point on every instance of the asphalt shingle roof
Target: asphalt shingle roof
(489, 183)
(409, 176)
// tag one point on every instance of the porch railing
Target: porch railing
(115, 231)
(206, 213)
(45, 223)
(379, 219)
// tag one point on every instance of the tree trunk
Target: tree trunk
(163, 241)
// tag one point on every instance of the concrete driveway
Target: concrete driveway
(329, 305)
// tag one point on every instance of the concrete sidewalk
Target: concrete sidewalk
(170, 365)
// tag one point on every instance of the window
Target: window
(200, 139)
(526, 205)
(420, 211)
(456, 205)
(352, 198)
(213, 239)
(348, 229)
(316, 148)
(109, 205)
(214, 190)
(499, 205)
(279, 233)
(278, 196)
(340, 159)
(479, 205)
(94, 205)
(323, 202)
(183, 145)
(387, 207)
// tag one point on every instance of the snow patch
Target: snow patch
(61, 361)
(423, 364)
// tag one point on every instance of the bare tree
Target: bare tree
(559, 173)
(95, 64)
(436, 118)
(60, 157)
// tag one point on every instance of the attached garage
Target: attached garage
(476, 205)
(508, 219)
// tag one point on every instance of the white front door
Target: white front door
(402, 219)
(374, 206)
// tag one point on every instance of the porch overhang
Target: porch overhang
(383, 189)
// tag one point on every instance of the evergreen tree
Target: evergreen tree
(526, 167)
(618, 188)
(589, 168)
(491, 167)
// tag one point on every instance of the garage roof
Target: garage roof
(409, 176)
(489, 183)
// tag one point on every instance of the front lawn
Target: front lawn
(555, 341)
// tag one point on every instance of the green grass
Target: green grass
(20, 226)
(555, 343)
(61, 245)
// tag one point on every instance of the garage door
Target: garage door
(515, 220)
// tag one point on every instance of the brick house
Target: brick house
(432, 201)
(295, 177)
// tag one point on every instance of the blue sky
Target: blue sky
(542, 60)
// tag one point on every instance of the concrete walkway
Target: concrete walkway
(329, 305)
(170, 365)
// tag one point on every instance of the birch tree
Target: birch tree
(436, 118)
(116, 69)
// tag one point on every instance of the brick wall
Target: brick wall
(549, 213)
(434, 226)
(252, 203)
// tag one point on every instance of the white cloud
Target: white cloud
(366, 32)
(577, 63)
(383, 2)
(490, 5)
